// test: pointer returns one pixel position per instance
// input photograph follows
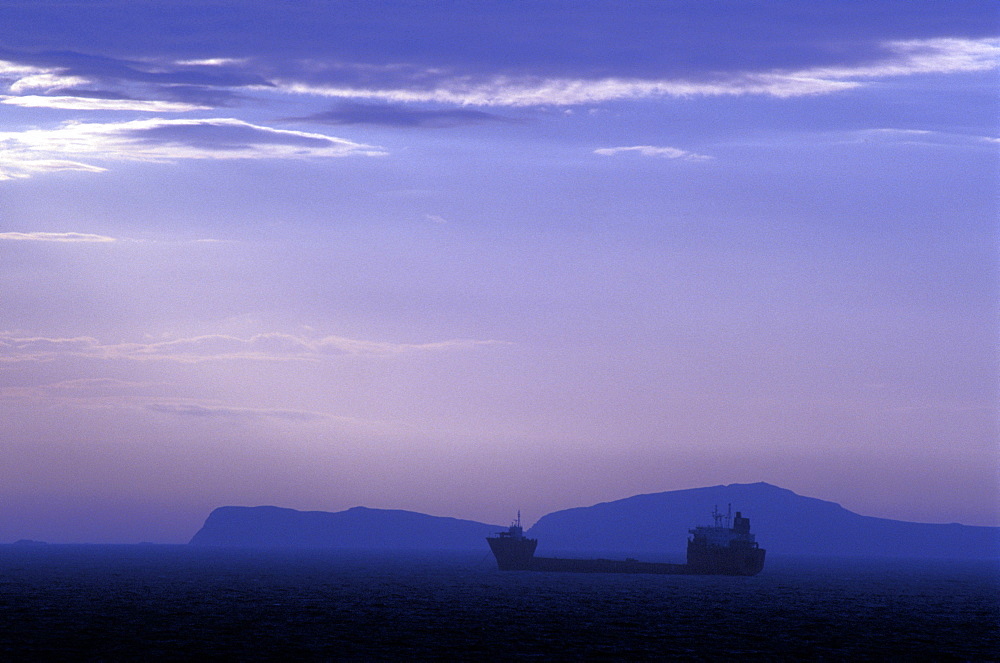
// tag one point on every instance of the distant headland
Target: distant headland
(357, 528)
(653, 523)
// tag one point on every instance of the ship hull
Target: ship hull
(735, 561)
(512, 554)
(565, 565)
(558, 565)
(518, 555)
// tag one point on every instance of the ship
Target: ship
(724, 548)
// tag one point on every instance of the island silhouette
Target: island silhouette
(654, 524)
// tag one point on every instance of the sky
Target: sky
(468, 258)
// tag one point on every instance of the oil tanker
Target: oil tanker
(725, 548)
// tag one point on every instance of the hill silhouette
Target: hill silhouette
(785, 524)
(655, 525)
(359, 528)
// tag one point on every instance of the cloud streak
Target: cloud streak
(36, 150)
(112, 394)
(532, 91)
(201, 411)
(109, 394)
(12, 167)
(217, 347)
(78, 81)
(897, 58)
(81, 81)
(651, 151)
(66, 102)
(55, 237)
(922, 137)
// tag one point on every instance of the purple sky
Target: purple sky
(465, 258)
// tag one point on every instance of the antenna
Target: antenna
(729, 516)
(518, 517)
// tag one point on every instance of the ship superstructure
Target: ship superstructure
(725, 548)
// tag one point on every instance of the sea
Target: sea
(170, 603)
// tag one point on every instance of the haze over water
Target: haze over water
(468, 258)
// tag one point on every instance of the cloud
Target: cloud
(254, 415)
(921, 56)
(114, 394)
(211, 62)
(155, 83)
(111, 394)
(239, 413)
(100, 103)
(36, 150)
(16, 71)
(521, 92)
(89, 391)
(80, 81)
(98, 386)
(651, 151)
(14, 168)
(39, 79)
(102, 393)
(400, 116)
(910, 137)
(892, 59)
(55, 237)
(217, 347)
(927, 135)
(213, 135)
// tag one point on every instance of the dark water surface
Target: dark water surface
(175, 602)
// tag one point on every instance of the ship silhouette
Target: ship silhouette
(724, 548)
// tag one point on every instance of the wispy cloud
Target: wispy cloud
(928, 135)
(55, 237)
(113, 394)
(217, 347)
(98, 386)
(211, 62)
(79, 81)
(921, 56)
(17, 71)
(14, 168)
(240, 413)
(66, 102)
(520, 91)
(652, 151)
(912, 137)
(193, 410)
(89, 392)
(162, 140)
(895, 58)
(33, 79)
